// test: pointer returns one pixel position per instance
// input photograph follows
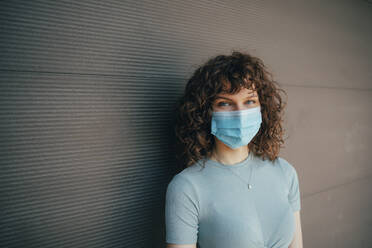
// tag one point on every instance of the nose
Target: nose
(240, 106)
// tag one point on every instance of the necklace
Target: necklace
(249, 185)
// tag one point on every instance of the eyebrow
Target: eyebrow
(249, 96)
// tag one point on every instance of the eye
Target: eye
(252, 101)
(222, 103)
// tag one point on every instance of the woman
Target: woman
(234, 190)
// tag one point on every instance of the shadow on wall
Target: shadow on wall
(150, 119)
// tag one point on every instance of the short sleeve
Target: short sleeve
(181, 212)
(294, 196)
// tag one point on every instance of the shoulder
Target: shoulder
(192, 174)
(284, 165)
(181, 182)
(178, 183)
(181, 192)
(186, 181)
(288, 170)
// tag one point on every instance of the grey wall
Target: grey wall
(87, 90)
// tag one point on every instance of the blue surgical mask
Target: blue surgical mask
(236, 128)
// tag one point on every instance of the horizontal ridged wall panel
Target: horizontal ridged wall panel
(111, 37)
(84, 159)
(87, 93)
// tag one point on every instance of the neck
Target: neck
(225, 155)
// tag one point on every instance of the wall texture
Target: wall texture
(87, 90)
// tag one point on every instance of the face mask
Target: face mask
(236, 128)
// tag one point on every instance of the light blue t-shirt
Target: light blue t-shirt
(214, 206)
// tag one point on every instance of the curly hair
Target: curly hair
(227, 74)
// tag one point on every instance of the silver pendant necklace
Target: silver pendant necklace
(249, 185)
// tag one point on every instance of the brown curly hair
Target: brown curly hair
(226, 74)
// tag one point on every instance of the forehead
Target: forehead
(233, 87)
(243, 92)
